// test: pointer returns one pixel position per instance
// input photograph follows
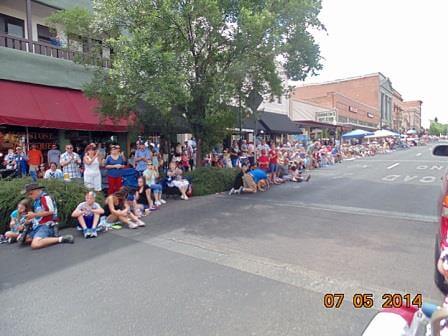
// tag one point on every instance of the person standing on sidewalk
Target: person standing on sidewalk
(142, 157)
(21, 159)
(35, 158)
(70, 162)
(92, 173)
(54, 154)
(273, 164)
(115, 162)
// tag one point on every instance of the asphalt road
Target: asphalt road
(243, 264)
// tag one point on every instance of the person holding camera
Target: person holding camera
(70, 162)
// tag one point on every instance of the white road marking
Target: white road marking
(390, 178)
(407, 178)
(419, 154)
(291, 274)
(423, 167)
(381, 160)
(428, 179)
(343, 209)
(393, 166)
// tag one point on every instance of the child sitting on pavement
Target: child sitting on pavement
(88, 214)
(297, 176)
(18, 221)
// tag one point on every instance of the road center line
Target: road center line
(419, 154)
(393, 166)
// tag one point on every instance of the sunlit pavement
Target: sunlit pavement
(242, 264)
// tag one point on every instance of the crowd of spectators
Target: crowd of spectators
(274, 158)
(126, 204)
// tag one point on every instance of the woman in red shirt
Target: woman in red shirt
(273, 163)
(263, 161)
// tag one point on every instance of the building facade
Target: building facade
(346, 111)
(41, 99)
(412, 115)
(368, 101)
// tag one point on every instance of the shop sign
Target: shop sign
(43, 140)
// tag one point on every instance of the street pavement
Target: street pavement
(242, 264)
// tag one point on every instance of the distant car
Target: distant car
(442, 211)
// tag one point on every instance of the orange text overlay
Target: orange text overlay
(366, 300)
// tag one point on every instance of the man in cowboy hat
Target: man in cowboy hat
(42, 218)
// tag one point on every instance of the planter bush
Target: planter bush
(209, 180)
(66, 194)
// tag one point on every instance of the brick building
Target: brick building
(367, 101)
(371, 95)
(412, 115)
(345, 110)
(397, 111)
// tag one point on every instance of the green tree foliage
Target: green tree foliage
(81, 40)
(437, 128)
(76, 21)
(200, 56)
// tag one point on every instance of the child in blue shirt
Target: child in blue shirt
(18, 221)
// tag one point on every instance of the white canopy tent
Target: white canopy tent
(382, 134)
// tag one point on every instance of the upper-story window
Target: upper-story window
(12, 26)
(46, 35)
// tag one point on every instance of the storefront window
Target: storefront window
(11, 137)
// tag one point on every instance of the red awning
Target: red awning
(23, 104)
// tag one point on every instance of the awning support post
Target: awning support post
(27, 140)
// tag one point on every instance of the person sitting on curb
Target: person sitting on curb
(18, 221)
(134, 212)
(260, 178)
(176, 179)
(43, 216)
(53, 173)
(249, 184)
(143, 198)
(117, 209)
(88, 215)
(151, 174)
(238, 184)
(297, 176)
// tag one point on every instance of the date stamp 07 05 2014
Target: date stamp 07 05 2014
(361, 300)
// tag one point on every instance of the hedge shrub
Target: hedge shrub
(66, 194)
(209, 180)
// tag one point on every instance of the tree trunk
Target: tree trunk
(198, 152)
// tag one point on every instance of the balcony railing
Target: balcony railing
(41, 48)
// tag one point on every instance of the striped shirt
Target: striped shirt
(72, 168)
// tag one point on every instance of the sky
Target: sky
(406, 40)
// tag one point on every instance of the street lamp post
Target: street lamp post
(241, 119)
